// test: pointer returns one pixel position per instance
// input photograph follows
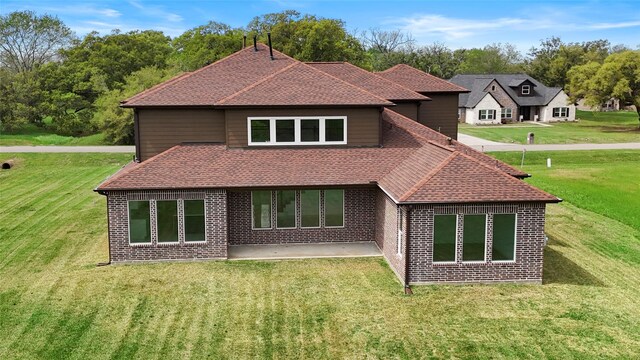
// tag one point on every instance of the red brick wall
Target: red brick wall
(529, 246)
(216, 227)
(359, 221)
(387, 233)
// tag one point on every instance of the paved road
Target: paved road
(488, 146)
(67, 149)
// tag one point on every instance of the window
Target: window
(400, 231)
(444, 238)
(504, 237)
(286, 209)
(310, 208)
(194, 223)
(493, 88)
(487, 114)
(506, 113)
(261, 209)
(526, 89)
(301, 130)
(560, 112)
(334, 208)
(167, 220)
(474, 238)
(139, 222)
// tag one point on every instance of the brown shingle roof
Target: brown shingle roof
(418, 80)
(412, 166)
(367, 80)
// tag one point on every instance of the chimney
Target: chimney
(244, 41)
(255, 42)
(270, 48)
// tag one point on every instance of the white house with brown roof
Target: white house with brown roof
(254, 150)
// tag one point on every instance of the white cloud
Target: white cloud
(156, 11)
(620, 25)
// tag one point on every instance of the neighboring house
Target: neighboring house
(612, 104)
(439, 114)
(501, 98)
(256, 149)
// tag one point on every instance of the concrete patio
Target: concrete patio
(301, 251)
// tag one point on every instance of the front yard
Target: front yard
(593, 127)
(55, 303)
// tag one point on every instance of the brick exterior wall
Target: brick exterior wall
(359, 221)
(529, 246)
(504, 99)
(387, 233)
(215, 245)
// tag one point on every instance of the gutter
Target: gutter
(108, 229)
(407, 287)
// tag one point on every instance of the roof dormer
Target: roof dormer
(523, 87)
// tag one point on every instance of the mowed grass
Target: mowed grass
(592, 127)
(55, 303)
(34, 135)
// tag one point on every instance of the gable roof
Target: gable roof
(367, 80)
(412, 166)
(542, 95)
(419, 81)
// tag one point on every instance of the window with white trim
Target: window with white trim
(261, 209)
(560, 112)
(526, 89)
(168, 225)
(297, 130)
(139, 222)
(194, 221)
(286, 209)
(167, 221)
(474, 237)
(444, 238)
(334, 208)
(487, 115)
(506, 113)
(504, 237)
(309, 208)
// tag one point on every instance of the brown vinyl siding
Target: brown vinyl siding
(160, 129)
(363, 124)
(440, 114)
(408, 109)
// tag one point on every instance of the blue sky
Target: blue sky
(456, 23)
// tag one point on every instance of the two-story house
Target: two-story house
(264, 149)
(502, 98)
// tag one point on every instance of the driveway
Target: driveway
(67, 149)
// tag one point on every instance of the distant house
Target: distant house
(502, 98)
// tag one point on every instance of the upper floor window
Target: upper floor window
(300, 130)
(493, 88)
(526, 89)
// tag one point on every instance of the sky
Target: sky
(455, 23)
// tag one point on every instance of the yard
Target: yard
(593, 127)
(34, 135)
(55, 303)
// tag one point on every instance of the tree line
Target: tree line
(73, 86)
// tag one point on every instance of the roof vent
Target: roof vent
(449, 141)
(255, 42)
(244, 41)
(270, 47)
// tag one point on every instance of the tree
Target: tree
(205, 44)
(20, 97)
(28, 40)
(492, 59)
(384, 42)
(618, 77)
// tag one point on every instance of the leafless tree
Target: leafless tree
(386, 41)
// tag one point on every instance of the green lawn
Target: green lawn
(34, 135)
(593, 127)
(55, 303)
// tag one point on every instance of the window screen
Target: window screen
(260, 131)
(444, 238)
(261, 209)
(194, 229)
(286, 214)
(139, 222)
(473, 238)
(310, 208)
(504, 237)
(167, 220)
(334, 208)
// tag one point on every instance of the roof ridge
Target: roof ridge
(386, 80)
(426, 139)
(428, 177)
(155, 88)
(249, 87)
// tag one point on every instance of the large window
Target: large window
(310, 208)
(286, 205)
(194, 224)
(300, 130)
(561, 112)
(139, 222)
(334, 208)
(506, 113)
(444, 238)
(487, 114)
(261, 209)
(504, 237)
(474, 238)
(167, 220)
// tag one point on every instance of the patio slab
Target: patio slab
(302, 251)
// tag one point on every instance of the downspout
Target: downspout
(380, 126)
(407, 288)
(108, 232)
(136, 133)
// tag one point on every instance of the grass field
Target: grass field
(593, 127)
(33, 135)
(55, 303)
